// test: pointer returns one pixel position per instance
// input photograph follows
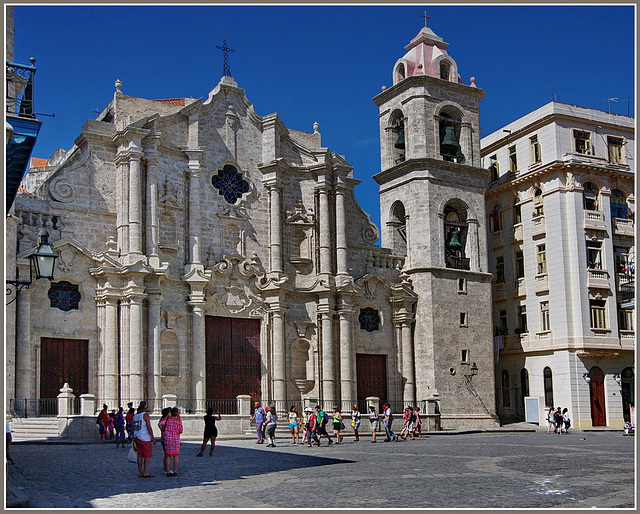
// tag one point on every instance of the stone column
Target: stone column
(341, 229)
(136, 348)
(347, 359)
(328, 369)
(325, 230)
(122, 204)
(152, 225)
(279, 355)
(109, 335)
(408, 363)
(198, 356)
(25, 379)
(194, 206)
(275, 227)
(155, 360)
(135, 205)
(466, 142)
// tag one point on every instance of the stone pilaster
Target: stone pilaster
(279, 353)
(152, 225)
(325, 227)
(193, 174)
(135, 205)
(341, 228)
(328, 379)
(347, 357)
(408, 363)
(155, 359)
(109, 343)
(275, 226)
(198, 355)
(136, 346)
(25, 379)
(473, 245)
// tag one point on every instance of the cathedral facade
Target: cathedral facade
(206, 251)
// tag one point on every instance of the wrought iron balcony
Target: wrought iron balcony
(19, 79)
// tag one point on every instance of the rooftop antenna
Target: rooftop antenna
(611, 100)
(553, 92)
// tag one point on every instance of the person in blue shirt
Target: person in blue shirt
(259, 416)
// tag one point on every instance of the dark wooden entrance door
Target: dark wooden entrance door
(63, 360)
(596, 387)
(232, 360)
(371, 373)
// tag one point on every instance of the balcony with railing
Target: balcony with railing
(497, 239)
(594, 220)
(518, 232)
(20, 114)
(519, 287)
(542, 283)
(597, 279)
(538, 226)
(499, 291)
(622, 227)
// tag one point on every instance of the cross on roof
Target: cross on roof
(425, 18)
(226, 70)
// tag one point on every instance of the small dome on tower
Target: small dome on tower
(426, 55)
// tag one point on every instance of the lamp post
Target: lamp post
(586, 377)
(42, 261)
(473, 371)
(617, 378)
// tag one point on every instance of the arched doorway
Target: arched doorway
(628, 395)
(596, 390)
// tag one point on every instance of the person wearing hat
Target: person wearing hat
(310, 425)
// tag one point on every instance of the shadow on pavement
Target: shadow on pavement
(74, 476)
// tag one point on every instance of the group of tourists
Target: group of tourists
(118, 422)
(310, 426)
(558, 421)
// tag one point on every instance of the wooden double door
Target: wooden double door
(63, 361)
(233, 363)
(596, 390)
(371, 372)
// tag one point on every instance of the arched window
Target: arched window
(590, 196)
(517, 211)
(538, 207)
(548, 387)
(628, 392)
(445, 70)
(397, 137)
(455, 229)
(524, 384)
(450, 124)
(398, 229)
(506, 397)
(619, 207)
(401, 74)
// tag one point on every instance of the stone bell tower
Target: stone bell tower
(432, 211)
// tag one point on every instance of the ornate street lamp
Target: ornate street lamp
(42, 261)
(617, 378)
(586, 377)
(473, 371)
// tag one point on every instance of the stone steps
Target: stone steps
(26, 429)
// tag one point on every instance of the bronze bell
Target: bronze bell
(452, 240)
(400, 141)
(449, 145)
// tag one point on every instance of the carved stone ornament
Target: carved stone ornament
(60, 188)
(233, 299)
(65, 260)
(370, 234)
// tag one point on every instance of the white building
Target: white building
(560, 207)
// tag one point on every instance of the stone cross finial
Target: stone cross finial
(425, 18)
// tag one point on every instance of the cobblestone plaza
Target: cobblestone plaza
(472, 470)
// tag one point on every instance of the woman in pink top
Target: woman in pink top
(172, 430)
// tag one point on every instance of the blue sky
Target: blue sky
(322, 63)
